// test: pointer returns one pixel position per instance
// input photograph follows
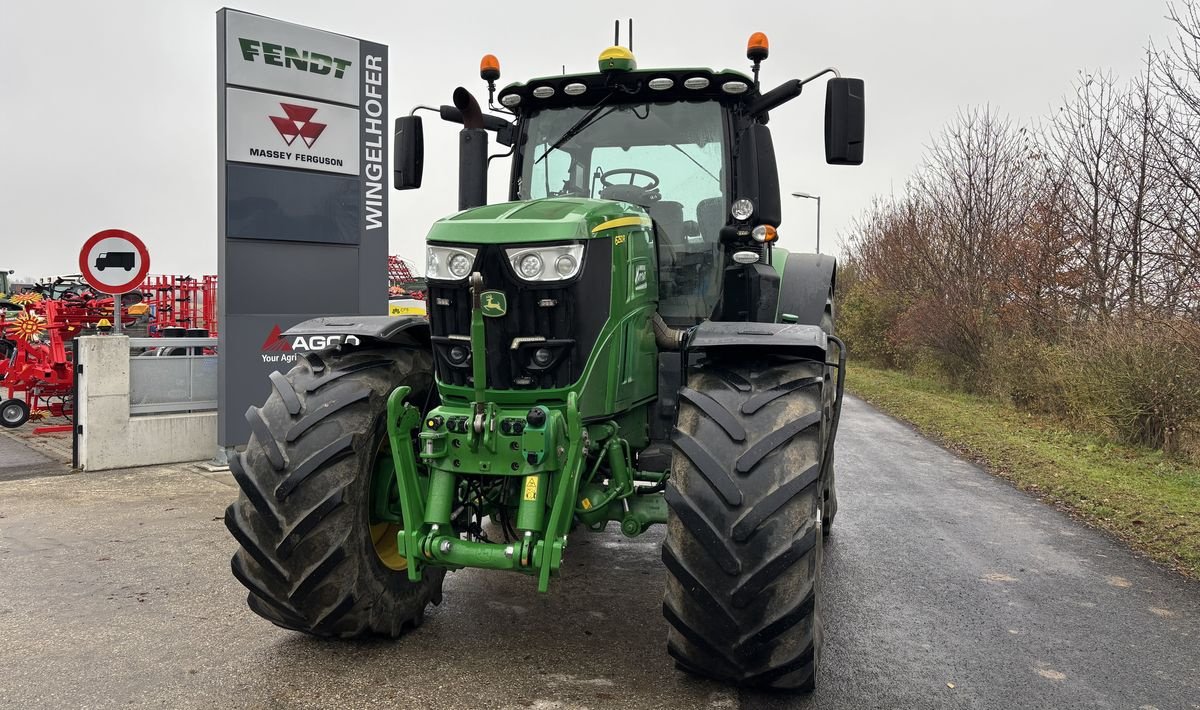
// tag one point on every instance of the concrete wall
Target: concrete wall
(110, 438)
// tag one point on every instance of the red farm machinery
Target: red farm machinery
(38, 327)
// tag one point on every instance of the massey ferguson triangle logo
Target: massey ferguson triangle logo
(298, 123)
(276, 343)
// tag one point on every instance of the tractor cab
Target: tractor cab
(690, 147)
(667, 150)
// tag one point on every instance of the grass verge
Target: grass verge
(1147, 499)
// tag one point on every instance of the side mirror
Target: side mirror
(408, 153)
(845, 122)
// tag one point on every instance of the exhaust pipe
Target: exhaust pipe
(472, 152)
(665, 336)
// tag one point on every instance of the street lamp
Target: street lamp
(818, 199)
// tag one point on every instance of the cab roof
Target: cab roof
(636, 86)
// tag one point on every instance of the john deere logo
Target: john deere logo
(494, 303)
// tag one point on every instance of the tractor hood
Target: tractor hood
(545, 220)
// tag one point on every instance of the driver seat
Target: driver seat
(668, 227)
(669, 218)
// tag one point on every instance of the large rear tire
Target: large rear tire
(308, 553)
(743, 547)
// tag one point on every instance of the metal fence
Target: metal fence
(172, 375)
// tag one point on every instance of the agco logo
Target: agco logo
(275, 342)
(298, 123)
(282, 348)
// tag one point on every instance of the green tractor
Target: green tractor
(621, 342)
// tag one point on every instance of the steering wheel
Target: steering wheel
(633, 173)
(629, 192)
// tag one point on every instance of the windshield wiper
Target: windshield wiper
(697, 162)
(584, 121)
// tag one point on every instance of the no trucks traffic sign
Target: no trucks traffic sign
(114, 261)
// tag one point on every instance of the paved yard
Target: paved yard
(945, 588)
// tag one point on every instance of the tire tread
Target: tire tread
(743, 548)
(301, 522)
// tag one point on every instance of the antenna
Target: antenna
(631, 34)
(616, 32)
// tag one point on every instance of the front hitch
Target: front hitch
(478, 356)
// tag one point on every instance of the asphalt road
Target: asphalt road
(20, 461)
(945, 588)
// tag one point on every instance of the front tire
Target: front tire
(743, 547)
(307, 551)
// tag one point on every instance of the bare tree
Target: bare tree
(1083, 143)
(1176, 80)
(1078, 241)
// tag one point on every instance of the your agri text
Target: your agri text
(281, 348)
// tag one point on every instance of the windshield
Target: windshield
(668, 158)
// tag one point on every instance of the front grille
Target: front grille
(569, 315)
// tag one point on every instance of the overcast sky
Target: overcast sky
(108, 107)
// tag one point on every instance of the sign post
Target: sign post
(114, 262)
(302, 200)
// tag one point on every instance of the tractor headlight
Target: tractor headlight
(460, 265)
(448, 263)
(566, 265)
(530, 262)
(531, 266)
(742, 210)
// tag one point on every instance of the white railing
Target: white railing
(172, 375)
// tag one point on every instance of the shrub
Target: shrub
(1141, 378)
(866, 320)
(1035, 376)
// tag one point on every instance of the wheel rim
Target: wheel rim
(384, 510)
(383, 535)
(11, 413)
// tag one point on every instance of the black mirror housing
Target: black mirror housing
(408, 153)
(845, 121)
